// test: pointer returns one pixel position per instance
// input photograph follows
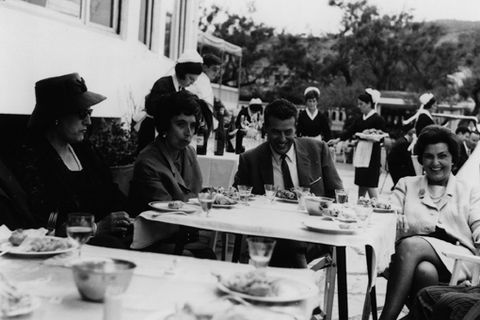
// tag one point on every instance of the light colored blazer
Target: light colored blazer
(458, 214)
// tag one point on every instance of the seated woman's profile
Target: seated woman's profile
(437, 213)
(58, 168)
(167, 170)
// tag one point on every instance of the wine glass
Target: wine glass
(260, 250)
(244, 192)
(363, 214)
(301, 193)
(206, 201)
(80, 227)
(341, 196)
(270, 192)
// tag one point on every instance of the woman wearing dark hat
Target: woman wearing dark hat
(167, 170)
(187, 70)
(59, 169)
(367, 167)
(312, 123)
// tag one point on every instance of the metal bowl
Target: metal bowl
(318, 206)
(95, 277)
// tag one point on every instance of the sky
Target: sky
(316, 17)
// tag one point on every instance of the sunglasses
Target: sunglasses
(82, 114)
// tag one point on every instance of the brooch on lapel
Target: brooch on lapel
(421, 193)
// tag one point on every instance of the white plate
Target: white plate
(329, 226)
(291, 291)
(214, 205)
(286, 200)
(22, 311)
(20, 251)
(163, 206)
(380, 210)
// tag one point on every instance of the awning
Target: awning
(211, 40)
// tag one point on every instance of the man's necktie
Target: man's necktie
(287, 178)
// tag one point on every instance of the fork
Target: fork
(52, 222)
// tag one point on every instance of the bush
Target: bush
(115, 140)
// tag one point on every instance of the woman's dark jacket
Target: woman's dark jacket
(51, 186)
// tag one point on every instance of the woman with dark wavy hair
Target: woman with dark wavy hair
(167, 169)
(436, 213)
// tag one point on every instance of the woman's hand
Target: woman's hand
(402, 223)
(115, 222)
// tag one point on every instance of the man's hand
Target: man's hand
(115, 222)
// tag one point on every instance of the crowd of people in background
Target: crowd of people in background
(58, 171)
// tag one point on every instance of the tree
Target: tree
(389, 52)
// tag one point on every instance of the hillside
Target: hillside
(456, 27)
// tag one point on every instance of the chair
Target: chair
(474, 312)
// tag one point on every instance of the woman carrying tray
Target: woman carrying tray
(367, 155)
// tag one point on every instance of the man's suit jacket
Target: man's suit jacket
(463, 157)
(314, 165)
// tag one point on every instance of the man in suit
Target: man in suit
(447, 302)
(288, 162)
(463, 135)
(399, 158)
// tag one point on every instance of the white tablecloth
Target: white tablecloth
(279, 220)
(218, 171)
(159, 285)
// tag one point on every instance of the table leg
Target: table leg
(370, 304)
(237, 248)
(342, 294)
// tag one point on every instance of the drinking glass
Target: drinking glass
(270, 192)
(244, 192)
(206, 201)
(80, 227)
(260, 250)
(341, 196)
(301, 193)
(363, 214)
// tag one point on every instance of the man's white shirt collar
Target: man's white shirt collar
(368, 115)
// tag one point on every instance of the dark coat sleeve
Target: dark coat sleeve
(331, 177)
(422, 121)
(325, 127)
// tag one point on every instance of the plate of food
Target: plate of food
(372, 134)
(222, 201)
(173, 206)
(381, 206)
(257, 285)
(286, 196)
(331, 226)
(36, 246)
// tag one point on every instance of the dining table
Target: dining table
(218, 171)
(161, 285)
(286, 221)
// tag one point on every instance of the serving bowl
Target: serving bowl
(318, 206)
(94, 277)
